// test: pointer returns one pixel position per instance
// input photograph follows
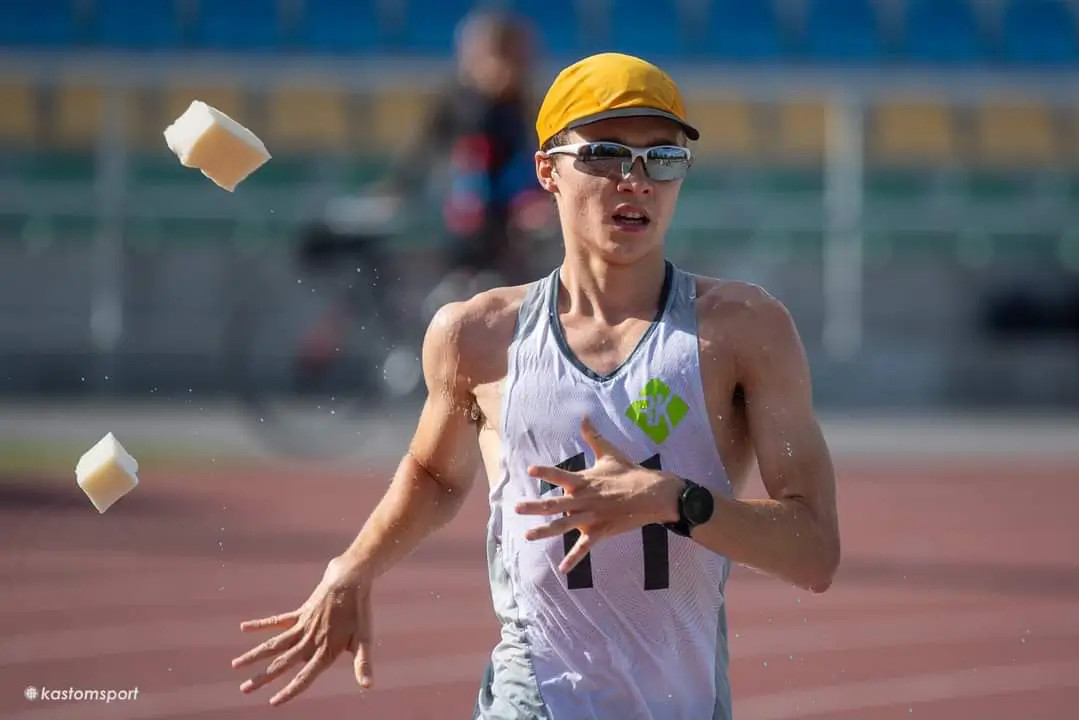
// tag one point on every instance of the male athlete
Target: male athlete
(617, 406)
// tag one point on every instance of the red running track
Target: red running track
(958, 597)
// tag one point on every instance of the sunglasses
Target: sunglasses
(662, 163)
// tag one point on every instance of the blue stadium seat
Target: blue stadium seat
(344, 27)
(941, 31)
(237, 25)
(429, 29)
(37, 23)
(557, 27)
(1038, 31)
(142, 25)
(842, 30)
(739, 30)
(652, 29)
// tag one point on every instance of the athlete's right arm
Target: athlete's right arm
(426, 492)
(440, 466)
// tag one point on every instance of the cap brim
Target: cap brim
(691, 132)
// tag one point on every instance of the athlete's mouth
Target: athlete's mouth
(630, 217)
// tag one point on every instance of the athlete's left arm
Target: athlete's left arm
(794, 533)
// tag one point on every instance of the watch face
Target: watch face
(698, 505)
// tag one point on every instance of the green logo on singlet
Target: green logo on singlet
(658, 412)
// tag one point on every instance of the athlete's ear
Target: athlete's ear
(546, 172)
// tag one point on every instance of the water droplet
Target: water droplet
(764, 663)
(106, 377)
(83, 379)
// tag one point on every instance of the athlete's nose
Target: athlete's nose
(636, 181)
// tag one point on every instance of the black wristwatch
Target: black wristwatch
(695, 506)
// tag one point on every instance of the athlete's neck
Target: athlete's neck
(611, 293)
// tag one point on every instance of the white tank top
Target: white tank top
(638, 629)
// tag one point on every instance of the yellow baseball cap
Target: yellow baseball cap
(609, 85)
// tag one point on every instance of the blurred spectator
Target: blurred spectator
(480, 130)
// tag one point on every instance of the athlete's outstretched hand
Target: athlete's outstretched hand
(611, 497)
(336, 617)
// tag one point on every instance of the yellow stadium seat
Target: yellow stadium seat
(180, 93)
(398, 116)
(727, 127)
(1015, 134)
(912, 132)
(802, 130)
(19, 123)
(307, 118)
(80, 111)
(77, 114)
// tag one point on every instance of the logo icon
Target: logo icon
(658, 412)
(30, 693)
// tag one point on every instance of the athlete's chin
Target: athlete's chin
(626, 247)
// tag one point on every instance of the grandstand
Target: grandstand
(853, 151)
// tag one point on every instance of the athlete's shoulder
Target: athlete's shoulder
(472, 335)
(733, 306)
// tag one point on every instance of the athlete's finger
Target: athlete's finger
(319, 662)
(576, 553)
(277, 643)
(560, 526)
(600, 445)
(557, 476)
(551, 506)
(280, 664)
(274, 621)
(362, 664)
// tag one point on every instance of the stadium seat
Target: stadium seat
(912, 132)
(398, 116)
(841, 30)
(19, 122)
(37, 23)
(802, 130)
(1038, 31)
(1015, 134)
(652, 29)
(941, 31)
(557, 27)
(142, 25)
(80, 110)
(743, 31)
(238, 25)
(225, 97)
(76, 114)
(304, 118)
(341, 26)
(727, 127)
(430, 25)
